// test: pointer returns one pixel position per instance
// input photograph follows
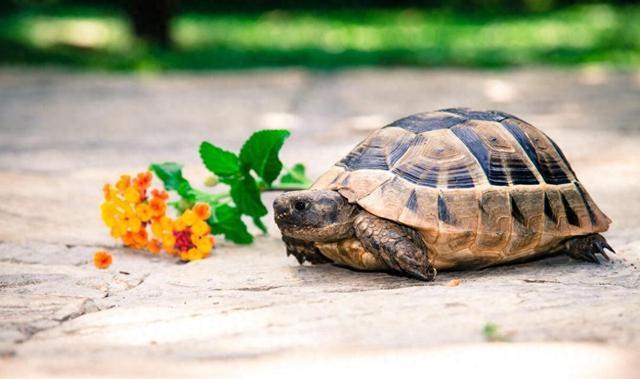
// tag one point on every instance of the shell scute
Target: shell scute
(494, 227)
(427, 122)
(526, 220)
(379, 151)
(502, 162)
(439, 159)
(542, 151)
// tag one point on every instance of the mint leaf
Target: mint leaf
(296, 175)
(260, 153)
(171, 175)
(246, 196)
(219, 161)
(258, 222)
(226, 220)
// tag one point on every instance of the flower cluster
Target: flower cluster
(188, 236)
(130, 207)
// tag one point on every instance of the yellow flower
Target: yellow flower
(115, 232)
(192, 255)
(143, 211)
(134, 224)
(156, 229)
(162, 226)
(166, 223)
(108, 211)
(131, 195)
(179, 224)
(168, 241)
(204, 245)
(119, 229)
(200, 228)
(189, 217)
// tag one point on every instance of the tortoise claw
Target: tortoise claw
(605, 245)
(586, 248)
(600, 249)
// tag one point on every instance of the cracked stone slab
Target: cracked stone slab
(216, 308)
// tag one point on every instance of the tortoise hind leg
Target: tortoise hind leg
(587, 247)
(401, 249)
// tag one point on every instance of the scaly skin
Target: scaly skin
(304, 251)
(586, 247)
(396, 246)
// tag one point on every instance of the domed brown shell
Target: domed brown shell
(483, 187)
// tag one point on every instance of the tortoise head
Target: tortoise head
(314, 215)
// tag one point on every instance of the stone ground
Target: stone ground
(251, 311)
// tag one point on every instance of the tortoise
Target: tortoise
(445, 190)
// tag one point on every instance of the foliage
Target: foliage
(101, 39)
(492, 333)
(247, 174)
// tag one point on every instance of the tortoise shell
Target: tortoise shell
(482, 187)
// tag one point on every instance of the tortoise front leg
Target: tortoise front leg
(304, 251)
(400, 248)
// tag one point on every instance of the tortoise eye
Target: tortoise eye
(300, 205)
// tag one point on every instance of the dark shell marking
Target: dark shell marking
(501, 161)
(419, 124)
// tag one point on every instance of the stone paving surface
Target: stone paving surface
(250, 310)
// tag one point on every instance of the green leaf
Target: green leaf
(226, 220)
(258, 222)
(220, 162)
(246, 196)
(171, 175)
(296, 175)
(260, 153)
(186, 191)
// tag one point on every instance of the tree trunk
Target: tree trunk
(151, 20)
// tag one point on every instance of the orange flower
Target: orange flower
(102, 259)
(158, 207)
(143, 181)
(202, 210)
(154, 246)
(140, 238)
(127, 239)
(160, 194)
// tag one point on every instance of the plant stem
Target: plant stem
(284, 187)
(306, 182)
(211, 197)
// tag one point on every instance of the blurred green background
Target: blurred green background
(155, 35)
